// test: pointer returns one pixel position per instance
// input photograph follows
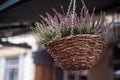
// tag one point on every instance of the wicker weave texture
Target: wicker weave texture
(76, 52)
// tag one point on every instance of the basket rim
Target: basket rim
(58, 54)
(68, 37)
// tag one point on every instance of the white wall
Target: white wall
(26, 65)
(2, 68)
(29, 69)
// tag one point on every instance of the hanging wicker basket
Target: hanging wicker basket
(76, 52)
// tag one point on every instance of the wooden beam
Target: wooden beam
(11, 51)
(15, 45)
(101, 71)
(44, 72)
(8, 4)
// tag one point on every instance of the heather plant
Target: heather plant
(60, 25)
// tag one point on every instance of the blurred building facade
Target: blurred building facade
(23, 63)
(16, 63)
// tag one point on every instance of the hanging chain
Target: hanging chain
(70, 5)
(83, 3)
(73, 2)
(73, 15)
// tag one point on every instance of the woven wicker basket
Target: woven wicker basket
(77, 51)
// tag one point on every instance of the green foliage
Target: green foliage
(42, 32)
(59, 26)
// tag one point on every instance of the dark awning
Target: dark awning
(28, 11)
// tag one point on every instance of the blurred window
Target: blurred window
(76, 75)
(11, 69)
